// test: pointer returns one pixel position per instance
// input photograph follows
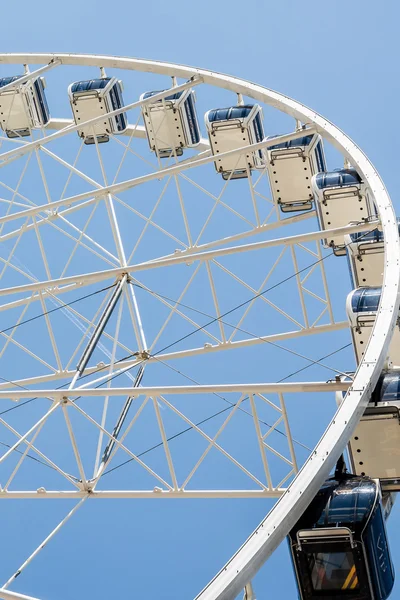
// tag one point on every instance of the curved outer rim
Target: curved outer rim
(242, 567)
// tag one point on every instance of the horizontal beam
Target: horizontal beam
(243, 388)
(212, 348)
(117, 188)
(59, 375)
(183, 257)
(136, 131)
(156, 493)
(191, 255)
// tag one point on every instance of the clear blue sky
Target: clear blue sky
(340, 58)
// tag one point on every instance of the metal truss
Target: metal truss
(161, 268)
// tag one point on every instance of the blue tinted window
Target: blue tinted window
(350, 506)
(301, 141)
(367, 236)
(6, 80)
(366, 299)
(337, 178)
(41, 96)
(388, 388)
(319, 154)
(258, 128)
(171, 97)
(226, 114)
(370, 236)
(91, 84)
(192, 119)
(117, 102)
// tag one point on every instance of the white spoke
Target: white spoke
(23, 456)
(42, 545)
(212, 442)
(243, 388)
(30, 431)
(43, 456)
(122, 447)
(88, 278)
(262, 286)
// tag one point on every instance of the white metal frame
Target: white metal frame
(239, 571)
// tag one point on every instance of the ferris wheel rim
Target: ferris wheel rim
(249, 558)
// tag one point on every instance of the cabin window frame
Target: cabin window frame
(362, 592)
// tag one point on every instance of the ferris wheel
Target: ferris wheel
(174, 267)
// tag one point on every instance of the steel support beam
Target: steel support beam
(242, 388)
(136, 131)
(93, 277)
(154, 494)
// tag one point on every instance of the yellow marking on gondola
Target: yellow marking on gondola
(354, 584)
(349, 577)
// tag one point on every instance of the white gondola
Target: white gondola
(171, 123)
(374, 447)
(365, 253)
(291, 166)
(341, 198)
(23, 108)
(231, 128)
(93, 98)
(361, 306)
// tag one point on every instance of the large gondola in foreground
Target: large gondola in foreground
(339, 546)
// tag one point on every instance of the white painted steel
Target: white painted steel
(339, 205)
(255, 388)
(154, 494)
(116, 187)
(182, 257)
(290, 170)
(366, 259)
(7, 595)
(239, 571)
(137, 131)
(373, 446)
(124, 364)
(11, 154)
(29, 76)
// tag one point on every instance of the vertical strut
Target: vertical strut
(40, 547)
